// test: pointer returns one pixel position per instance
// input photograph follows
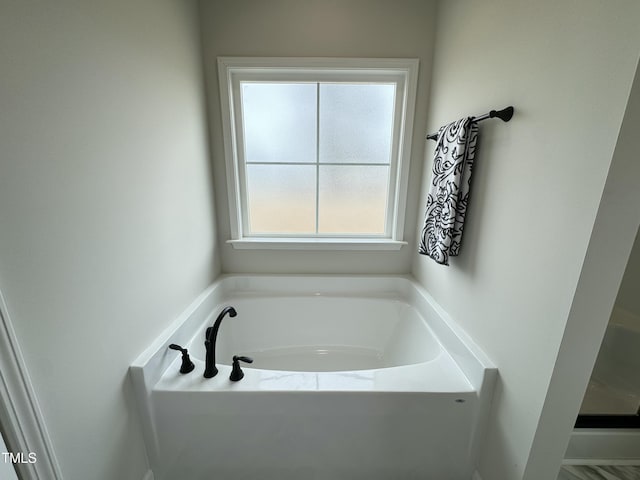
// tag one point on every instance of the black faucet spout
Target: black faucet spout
(210, 369)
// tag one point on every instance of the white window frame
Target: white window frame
(402, 72)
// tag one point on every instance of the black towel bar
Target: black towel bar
(505, 115)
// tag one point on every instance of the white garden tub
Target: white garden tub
(353, 378)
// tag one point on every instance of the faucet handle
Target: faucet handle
(236, 371)
(242, 359)
(187, 365)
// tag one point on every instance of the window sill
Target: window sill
(316, 244)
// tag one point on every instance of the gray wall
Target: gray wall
(106, 209)
(317, 28)
(567, 67)
(629, 294)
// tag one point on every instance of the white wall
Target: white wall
(106, 213)
(610, 244)
(317, 28)
(567, 67)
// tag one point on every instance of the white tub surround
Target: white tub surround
(353, 377)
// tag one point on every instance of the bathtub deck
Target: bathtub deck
(440, 375)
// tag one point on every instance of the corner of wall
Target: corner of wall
(20, 412)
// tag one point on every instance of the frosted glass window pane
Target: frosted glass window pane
(356, 123)
(352, 199)
(281, 198)
(279, 122)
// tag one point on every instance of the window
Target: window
(317, 150)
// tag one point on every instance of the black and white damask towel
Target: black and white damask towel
(449, 191)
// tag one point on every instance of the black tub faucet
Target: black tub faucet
(210, 369)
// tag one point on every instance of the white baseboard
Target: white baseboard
(600, 461)
(604, 446)
(20, 413)
(148, 475)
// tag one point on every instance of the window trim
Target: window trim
(231, 70)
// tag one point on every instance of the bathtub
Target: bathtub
(353, 378)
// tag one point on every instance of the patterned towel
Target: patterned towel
(449, 191)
